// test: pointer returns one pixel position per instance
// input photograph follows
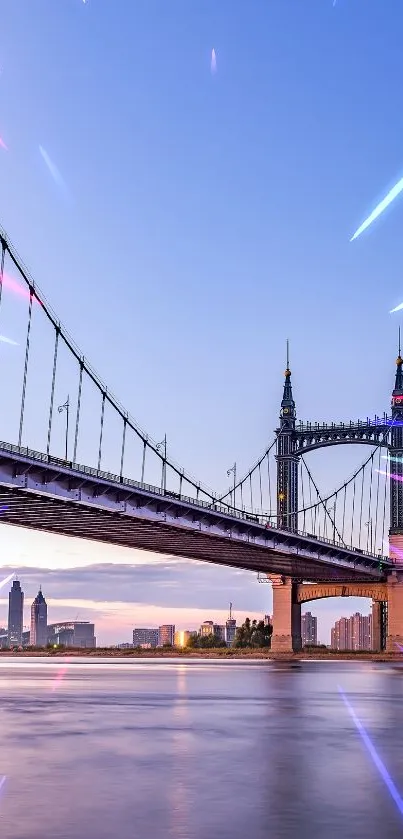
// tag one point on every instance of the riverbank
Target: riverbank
(225, 653)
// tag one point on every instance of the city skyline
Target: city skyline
(188, 233)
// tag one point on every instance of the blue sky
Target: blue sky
(206, 219)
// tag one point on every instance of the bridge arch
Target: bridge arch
(307, 592)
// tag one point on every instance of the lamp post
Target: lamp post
(368, 524)
(233, 469)
(66, 407)
(163, 445)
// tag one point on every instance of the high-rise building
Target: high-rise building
(166, 635)
(353, 633)
(72, 634)
(309, 629)
(39, 621)
(15, 614)
(145, 637)
(230, 628)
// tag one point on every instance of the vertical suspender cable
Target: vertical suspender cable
(24, 383)
(362, 496)
(3, 255)
(122, 454)
(180, 483)
(101, 430)
(52, 392)
(144, 462)
(251, 498)
(241, 487)
(377, 500)
(303, 495)
(269, 482)
(80, 384)
(352, 515)
(344, 511)
(384, 505)
(369, 504)
(260, 484)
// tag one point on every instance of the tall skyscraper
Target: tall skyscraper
(15, 614)
(230, 628)
(309, 630)
(39, 621)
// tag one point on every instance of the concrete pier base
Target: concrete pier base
(286, 636)
(376, 626)
(394, 637)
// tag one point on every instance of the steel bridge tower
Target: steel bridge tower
(292, 442)
(287, 459)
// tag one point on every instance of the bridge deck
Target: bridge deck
(43, 493)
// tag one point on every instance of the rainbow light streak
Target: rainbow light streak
(392, 457)
(396, 309)
(380, 208)
(13, 285)
(400, 646)
(2, 781)
(391, 548)
(3, 145)
(374, 754)
(391, 475)
(213, 65)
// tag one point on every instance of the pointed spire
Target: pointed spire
(398, 390)
(288, 401)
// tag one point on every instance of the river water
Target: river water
(112, 749)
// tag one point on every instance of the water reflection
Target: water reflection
(192, 751)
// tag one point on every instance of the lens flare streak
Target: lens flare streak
(6, 580)
(53, 170)
(5, 340)
(3, 145)
(213, 64)
(396, 309)
(60, 676)
(380, 208)
(374, 754)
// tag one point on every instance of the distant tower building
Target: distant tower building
(309, 630)
(39, 621)
(230, 628)
(15, 614)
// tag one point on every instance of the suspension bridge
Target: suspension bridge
(104, 478)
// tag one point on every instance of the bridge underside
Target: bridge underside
(24, 508)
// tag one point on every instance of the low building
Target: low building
(166, 635)
(145, 637)
(72, 634)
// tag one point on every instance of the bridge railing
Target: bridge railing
(262, 519)
(353, 424)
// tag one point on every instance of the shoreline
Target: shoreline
(234, 655)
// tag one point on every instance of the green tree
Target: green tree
(253, 634)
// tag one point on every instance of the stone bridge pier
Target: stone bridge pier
(289, 594)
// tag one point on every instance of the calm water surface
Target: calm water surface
(198, 750)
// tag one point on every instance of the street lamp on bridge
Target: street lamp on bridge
(66, 407)
(233, 469)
